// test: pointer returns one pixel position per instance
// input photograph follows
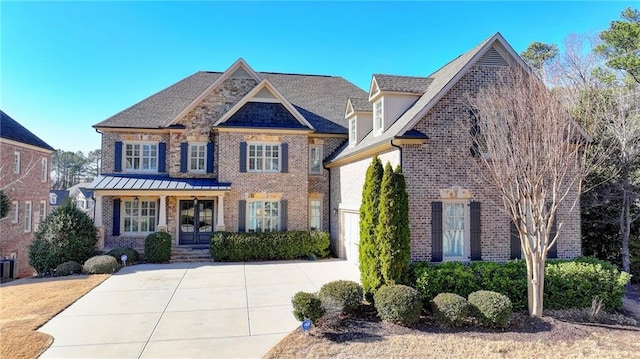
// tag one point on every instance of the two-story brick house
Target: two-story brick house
(237, 150)
(253, 151)
(25, 179)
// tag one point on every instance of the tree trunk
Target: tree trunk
(535, 285)
(625, 221)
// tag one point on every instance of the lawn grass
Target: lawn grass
(27, 304)
(546, 338)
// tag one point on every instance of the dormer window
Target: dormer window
(352, 132)
(377, 117)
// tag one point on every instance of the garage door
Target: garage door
(351, 235)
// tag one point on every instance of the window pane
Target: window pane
(453, 229)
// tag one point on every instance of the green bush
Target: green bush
(398, 304)
(68, 268)
(346, 292)
(307, 305)
(102, 264)
(568, 283)
(235, 247)
(369, 248)
(490, 308)
(132, 254)
(450, 309)
(157, 247)
(67, 234)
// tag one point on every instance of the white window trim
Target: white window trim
(43, 170)
(378, 130)
(248, 218)
(123, 215)
(16, 162)
(353, 132)
(321, 149)
(466, 255)
(189, 158)
(28, 216)
(43, 211)
(140, 170)
(321, 214)
(264, 170)
(16, 212)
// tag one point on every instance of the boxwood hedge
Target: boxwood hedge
(234, 247)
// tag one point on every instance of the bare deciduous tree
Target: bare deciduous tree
(534, 155)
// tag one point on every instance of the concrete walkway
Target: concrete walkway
(189, 310)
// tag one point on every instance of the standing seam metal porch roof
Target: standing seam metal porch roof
(141, 182)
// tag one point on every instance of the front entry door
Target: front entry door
(196, 222)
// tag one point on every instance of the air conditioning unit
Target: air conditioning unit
(8, 268)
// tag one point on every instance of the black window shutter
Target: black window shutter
(474, 131)
(209, 157)
(475, 230)
(436, 231)
(284, 166)
(553, 250)
(184, 156)
(516, 248)
(243, 157)
(117, 163)
(116, 217)
(162, 157)
(283, 215)
(242, 216)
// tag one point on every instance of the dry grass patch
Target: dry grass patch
(527, 338)
(27, 304)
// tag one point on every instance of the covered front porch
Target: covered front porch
(128, 209)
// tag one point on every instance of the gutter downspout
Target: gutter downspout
(329, 202)
(399, 149)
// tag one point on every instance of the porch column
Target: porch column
(220, 222)
(97, 221)
(162, 218)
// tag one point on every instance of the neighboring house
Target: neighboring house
(257, 151)
(24, 177)
(57, 197)
(80, 196)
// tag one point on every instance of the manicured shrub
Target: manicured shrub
(307, 306)
(568, 283)
(392, 230)
(235, 247)
(132, 254)
(490, 308)
(346, 292)
(157, 247)
(450, 309)
(67, 234)
(102, 264)
(369, 252)
(398, 304)
(68, 268)
(333, 313)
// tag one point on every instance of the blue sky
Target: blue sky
(65, 66)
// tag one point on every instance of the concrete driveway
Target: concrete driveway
(189, 310)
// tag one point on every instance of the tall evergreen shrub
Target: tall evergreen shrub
(392, 230)
(370, 273)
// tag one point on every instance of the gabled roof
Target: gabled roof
(10, 129)
(157, 110)
(442, 80)
(358, 104)
(406, 84)
(265, 91)
(319, 99)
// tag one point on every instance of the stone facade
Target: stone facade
(23, 187)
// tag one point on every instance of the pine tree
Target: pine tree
(392, 231)
(370, 274)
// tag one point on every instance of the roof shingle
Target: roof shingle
(408, 84)
(12, 130)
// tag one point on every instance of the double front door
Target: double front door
(196, 222)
